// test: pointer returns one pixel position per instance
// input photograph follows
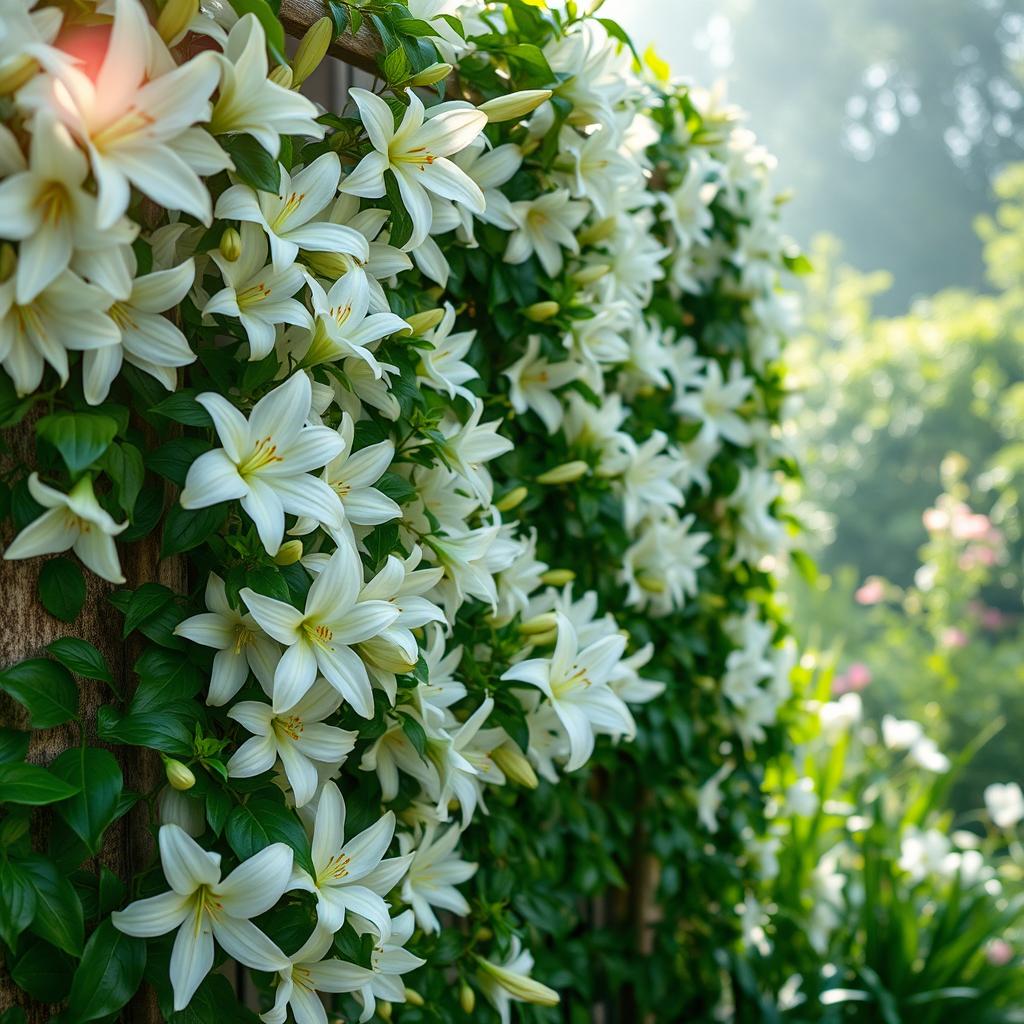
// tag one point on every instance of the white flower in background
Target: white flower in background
(297, 736)
(758, 532)
(599, 168)
(389, 961)
(463, 556)
(240, 644)
(344, 326)
(434, 871)
(442, 366)
(44, 206)
(801, 798)
(256, 294)
(925, 754)
(594, 73)
(322, 636)
(649, 475)
(416, 152)
(924, 853)
(545, 226)
(74, 521)
(714, 405)
(133, 119)
(266, 461)
(341, 867)
(308, 973)
(467, 446)
(490, 169)
(67, 314)
(689, 206)
(533, 381)
(204, 907)
(508, 981)
(149, 341)
(1005, 804)
(627, 682)
(249, 102)
(899, 734)
(289, 216)
(838, 717)
(459, 764)
(392, 752)
(709, 798)
(660, 568)
(25, 42)
(575, 681)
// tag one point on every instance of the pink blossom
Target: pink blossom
(970, 525)
(935, 520)
(856, 677)
(871, 591)
(999, 952)
(953, 637)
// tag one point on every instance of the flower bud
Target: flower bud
(230, 245)
(483, 934)
(311, 50)
(566, 473)
(538, 624)
(175, 18)
(178, 775)
(588, 275)
(288, 553)
(515, 105)
(541, 311)
(513, 499)
(419, 323)
(651, 584)
(8, 260)
(17, 71)
(428, 76)
(467, 998)
(597, 232)
(384, 1011)
(543, 639)
(331, 265)
(511, 760)
(413, 998)
(281, 75)
(519, 986)
(557, 577)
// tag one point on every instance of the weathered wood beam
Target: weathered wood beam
(359, 50)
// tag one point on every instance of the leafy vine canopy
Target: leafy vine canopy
(461, 405)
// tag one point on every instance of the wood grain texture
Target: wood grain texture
(25, 630)
(359, 50)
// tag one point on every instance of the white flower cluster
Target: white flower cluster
(307, 275)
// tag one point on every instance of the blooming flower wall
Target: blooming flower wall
(463, 403)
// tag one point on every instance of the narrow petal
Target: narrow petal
(211, 479)
(279, 620)
(191, 957)
(154, 916)
(208, 629)
(329, 826)
(229, 423)
(254, 757)
(368, 848)
(47, 535)
(296, 673)
(247, 944)
(264, 508)
(257, 883)
(299, 770)
(186, 864)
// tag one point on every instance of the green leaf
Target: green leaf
(12, 407)
(182, 407)
(254, 826)
(145, 603)
(253, 164)
(13, 745)
(416, 733)
(173, 459)
(166, 678)
(62, 588)
(45, 688)
(401, 222)
(58, 909)
(123, 464)
(158, 730)
(108, 976)
(81, 657)
(33, 785)
(17, 901)
(396, 67)
(96, 776)
(80, 437)
(185, 529)
(43, 972)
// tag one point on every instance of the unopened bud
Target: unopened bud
(483, 934)
(288, 553)
(331, 265)
(541, 311)
(16, 72)
(543, 639)
(281, 75)
(384, 1011)
(515, 105)
(420, 323)
(588, 275)
(428, 76)
(8, 260)
(566, 473)
(597, 232)
(467, 998)
(651, 584)
(538, 624)
(178, 775)
(230, 245)
(174, 18)
(413, 998)
(311, 50)
(513, 763)
(512, 500)
(557, 577)
(519, 986)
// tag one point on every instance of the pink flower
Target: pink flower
(999, 952)
(992, 618)
(871, 591)
(968, 525)
(856, 677)
(953, 637)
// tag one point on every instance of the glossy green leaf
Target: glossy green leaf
(45, 688)
(108, 975)
(30, 784)
(80, 437)
(97, 777)
(80, 657)
(62, 588)
(58, 917)
(17, 901)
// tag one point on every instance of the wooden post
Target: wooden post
(359, 50)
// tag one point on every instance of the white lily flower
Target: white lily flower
(149, 341)
(297, 736)
(1005, 804)
(575, 681)
(257, 294)
(266, 461)
(459, 764)
(249, 102)
(45, 207)
(416, 152)
(649, 475)
(433, 873)
(344, 326)
(322, 636)
(467, 446)
(715, 404)
(288, 216)
(342, 868)
(240, 644)
(67, 314)
(389, 961)
(660, 567)
(73, 521)
(490, 169)
(545, 226)
(25, 42)
(204, 907)
(442, 366)
(464, 557)
(510, 980)
(308, 973)
(134, 117)
(532, 381)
